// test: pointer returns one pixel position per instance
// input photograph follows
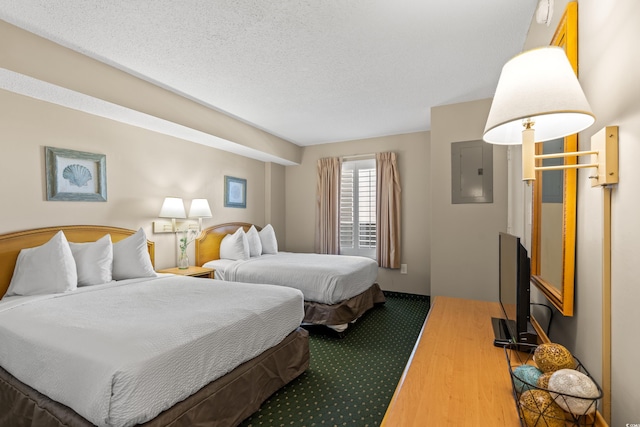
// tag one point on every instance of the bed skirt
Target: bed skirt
(224, 402)
(343, 312)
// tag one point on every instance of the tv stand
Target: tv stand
(502, 336)
(501, 333)
(529, 337)
(455, 377)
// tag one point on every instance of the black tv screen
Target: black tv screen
(514, 289)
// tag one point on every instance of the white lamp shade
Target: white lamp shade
(539, 85)
(172, 207)
(199, 209)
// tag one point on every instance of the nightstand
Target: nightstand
(192, 271)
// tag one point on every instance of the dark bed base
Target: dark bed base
(224, 402)
(344, 312)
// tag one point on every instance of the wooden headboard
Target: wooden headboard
(12, 243)
(208, 243)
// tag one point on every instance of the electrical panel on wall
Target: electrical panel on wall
(471, 172)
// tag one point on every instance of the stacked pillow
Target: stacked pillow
(94, 261)
(61, 266)
(131, 258)
(45, 269)
(255, 246)
(253, 243)
(235, 246)
(268, 240)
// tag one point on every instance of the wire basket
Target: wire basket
(544, 408)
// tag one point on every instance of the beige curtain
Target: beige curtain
(328, 206)
(388, 210)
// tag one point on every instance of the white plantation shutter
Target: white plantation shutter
(358, 208)
(346, 207)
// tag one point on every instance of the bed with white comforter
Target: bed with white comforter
(337, 289)
(326, 279)
(121, 353)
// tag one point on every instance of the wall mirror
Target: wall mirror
(554, 199)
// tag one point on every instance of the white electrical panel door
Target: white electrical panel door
(471, 172)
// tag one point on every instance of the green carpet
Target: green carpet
(350, 380)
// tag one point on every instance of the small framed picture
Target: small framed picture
(235, 192)
(75, 175)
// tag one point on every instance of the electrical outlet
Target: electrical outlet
(403, 268)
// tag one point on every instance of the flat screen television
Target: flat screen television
(514, 293)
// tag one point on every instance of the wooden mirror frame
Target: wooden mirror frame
(561, 295)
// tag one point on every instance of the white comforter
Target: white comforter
(327, 279)
(119, 354)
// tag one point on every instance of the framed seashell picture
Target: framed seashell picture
(75, 175)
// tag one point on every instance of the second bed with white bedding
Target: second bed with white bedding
(121, 353)
(322, 278)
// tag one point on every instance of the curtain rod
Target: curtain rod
(359, 156)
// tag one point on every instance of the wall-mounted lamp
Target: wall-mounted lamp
(199, 209)
(172, 207)
(538, 89)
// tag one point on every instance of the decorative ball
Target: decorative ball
(567, 383)
(551, 357)
(539, 409)
(525, 376)
(543, 380)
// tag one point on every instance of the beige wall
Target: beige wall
(143, 167)
(464, 237)
(608, 62)
(609, 37)
(274, 182)
(413, 163)
(30, 55)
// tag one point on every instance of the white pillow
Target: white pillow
(131, 258)
(94, 261)
(255, 246)
(46, 269)
(235, 246)
(268, 240)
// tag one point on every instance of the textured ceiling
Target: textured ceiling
(311, 72)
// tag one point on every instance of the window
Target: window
(358, 208)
